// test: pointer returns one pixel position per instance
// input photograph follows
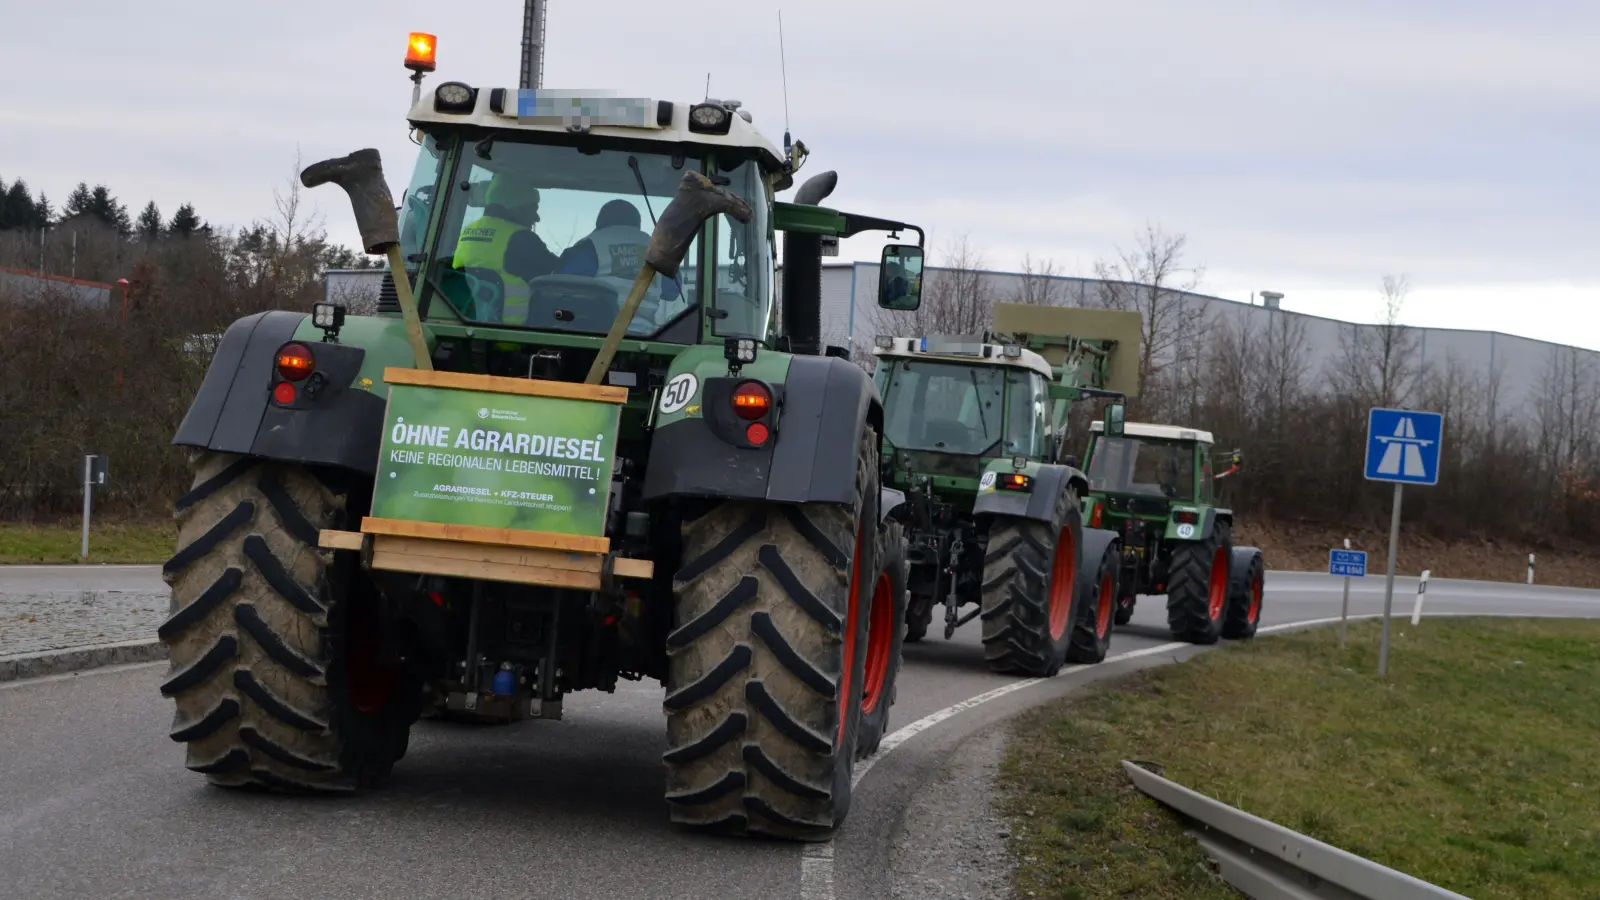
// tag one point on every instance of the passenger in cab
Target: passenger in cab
(503, 240)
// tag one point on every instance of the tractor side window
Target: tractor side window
(1208, 487)
(744, 261)
(416, 204)
(1027, 411)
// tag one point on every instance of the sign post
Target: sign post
(1350, 564)
(94, 472)
(1403, 447)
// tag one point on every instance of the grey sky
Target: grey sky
(1303, 147)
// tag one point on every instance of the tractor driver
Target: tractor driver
(613, 253)
(503, 241)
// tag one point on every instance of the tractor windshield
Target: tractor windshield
(551, 237)
(1143, 466)
(944, 407)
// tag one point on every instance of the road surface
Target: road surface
(94, 801)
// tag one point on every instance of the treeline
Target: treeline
(1302, 427)
(117, 380)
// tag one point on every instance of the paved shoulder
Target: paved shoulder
(952, 845)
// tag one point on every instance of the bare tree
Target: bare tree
(1041, 283)
(957, 297)
(1377, 364)
(1153, 279)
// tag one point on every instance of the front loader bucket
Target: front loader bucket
(1042, 323)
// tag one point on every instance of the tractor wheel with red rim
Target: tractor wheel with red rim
(767, 661)
(1097, 600)
(1245, 590)
(1030, 590)
(280, 673)
(885, 636)
(1122, 612)
(1197, 586)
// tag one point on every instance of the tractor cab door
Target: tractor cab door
(1207, 485)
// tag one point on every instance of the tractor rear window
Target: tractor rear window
(1151, 468)
(945, 407)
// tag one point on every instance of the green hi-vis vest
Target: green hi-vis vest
(483, 245)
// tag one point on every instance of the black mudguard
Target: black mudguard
(827, 402)
(888, 500)
(1040, 502)
(1095, 542)
(340, 426)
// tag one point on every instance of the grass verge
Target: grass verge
(110, 542)
(1475, 767)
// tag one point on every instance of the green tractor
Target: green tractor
(1156, 486)
(975, 435)
(563, 452)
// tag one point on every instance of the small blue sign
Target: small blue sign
(1349, 563)
(1403, 446)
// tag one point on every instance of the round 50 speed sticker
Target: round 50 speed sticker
(678, 392)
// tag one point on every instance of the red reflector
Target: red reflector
(1094, 520)
(757, 433)
(283, 392)
(751, 401)
(295, 361)
(436, 598)
(1186, 517)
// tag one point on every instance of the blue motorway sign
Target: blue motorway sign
(1350, 563)
(1403, 446)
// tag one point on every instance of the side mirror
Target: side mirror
(1114, 418)
(900, 278)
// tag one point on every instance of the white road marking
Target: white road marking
(816, 861)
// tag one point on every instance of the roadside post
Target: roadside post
(1422, 588)
(94, 472)
(1349, 564)
(1530, 568)
(1403, 447)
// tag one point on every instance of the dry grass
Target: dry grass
(109, 542)
(1304, 547)
(1474, 766)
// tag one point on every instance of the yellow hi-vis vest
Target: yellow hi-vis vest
(483, 245)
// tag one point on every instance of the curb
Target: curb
(77, 659)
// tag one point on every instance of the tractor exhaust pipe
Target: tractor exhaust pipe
(361, 176)
(802, 273)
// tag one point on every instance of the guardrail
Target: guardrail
(1266, 861)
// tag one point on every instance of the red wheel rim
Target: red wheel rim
(1255, 598)
(1219, 584)
(1102, 617)
(880, 635)
(369, 680)
(852, 614)
(1063, 572)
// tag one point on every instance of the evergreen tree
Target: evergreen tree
(17, 208)
(43, 215)
(78, 202)
(185, 222)
(149, 225)
(103, 206)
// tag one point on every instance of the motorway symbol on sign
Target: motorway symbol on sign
(1349, 563)
(1403, 446)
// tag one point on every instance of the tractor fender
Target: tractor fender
(1209, 518)
(1049, 481)
(1095, 542)
(340, 426)
(826, 404)
(888, 500)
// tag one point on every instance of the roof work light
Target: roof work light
(420, 50)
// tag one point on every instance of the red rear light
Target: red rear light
(1014, 482)
(283, 392)
(757, 433)
(1186, 518)
(295, 361)
(752, 400)
(1094, 520)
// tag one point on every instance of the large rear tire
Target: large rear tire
(277, 671)
(766, 662)
(885, 636)
(1097, 599)
(919, 615)
(1245, 590)
(1030, 590)
(1197, 586)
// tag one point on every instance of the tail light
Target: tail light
(295, 362)
(1186, 517)
(1094, 518)
(1011, 481)
(751, 401)
(757, 433)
